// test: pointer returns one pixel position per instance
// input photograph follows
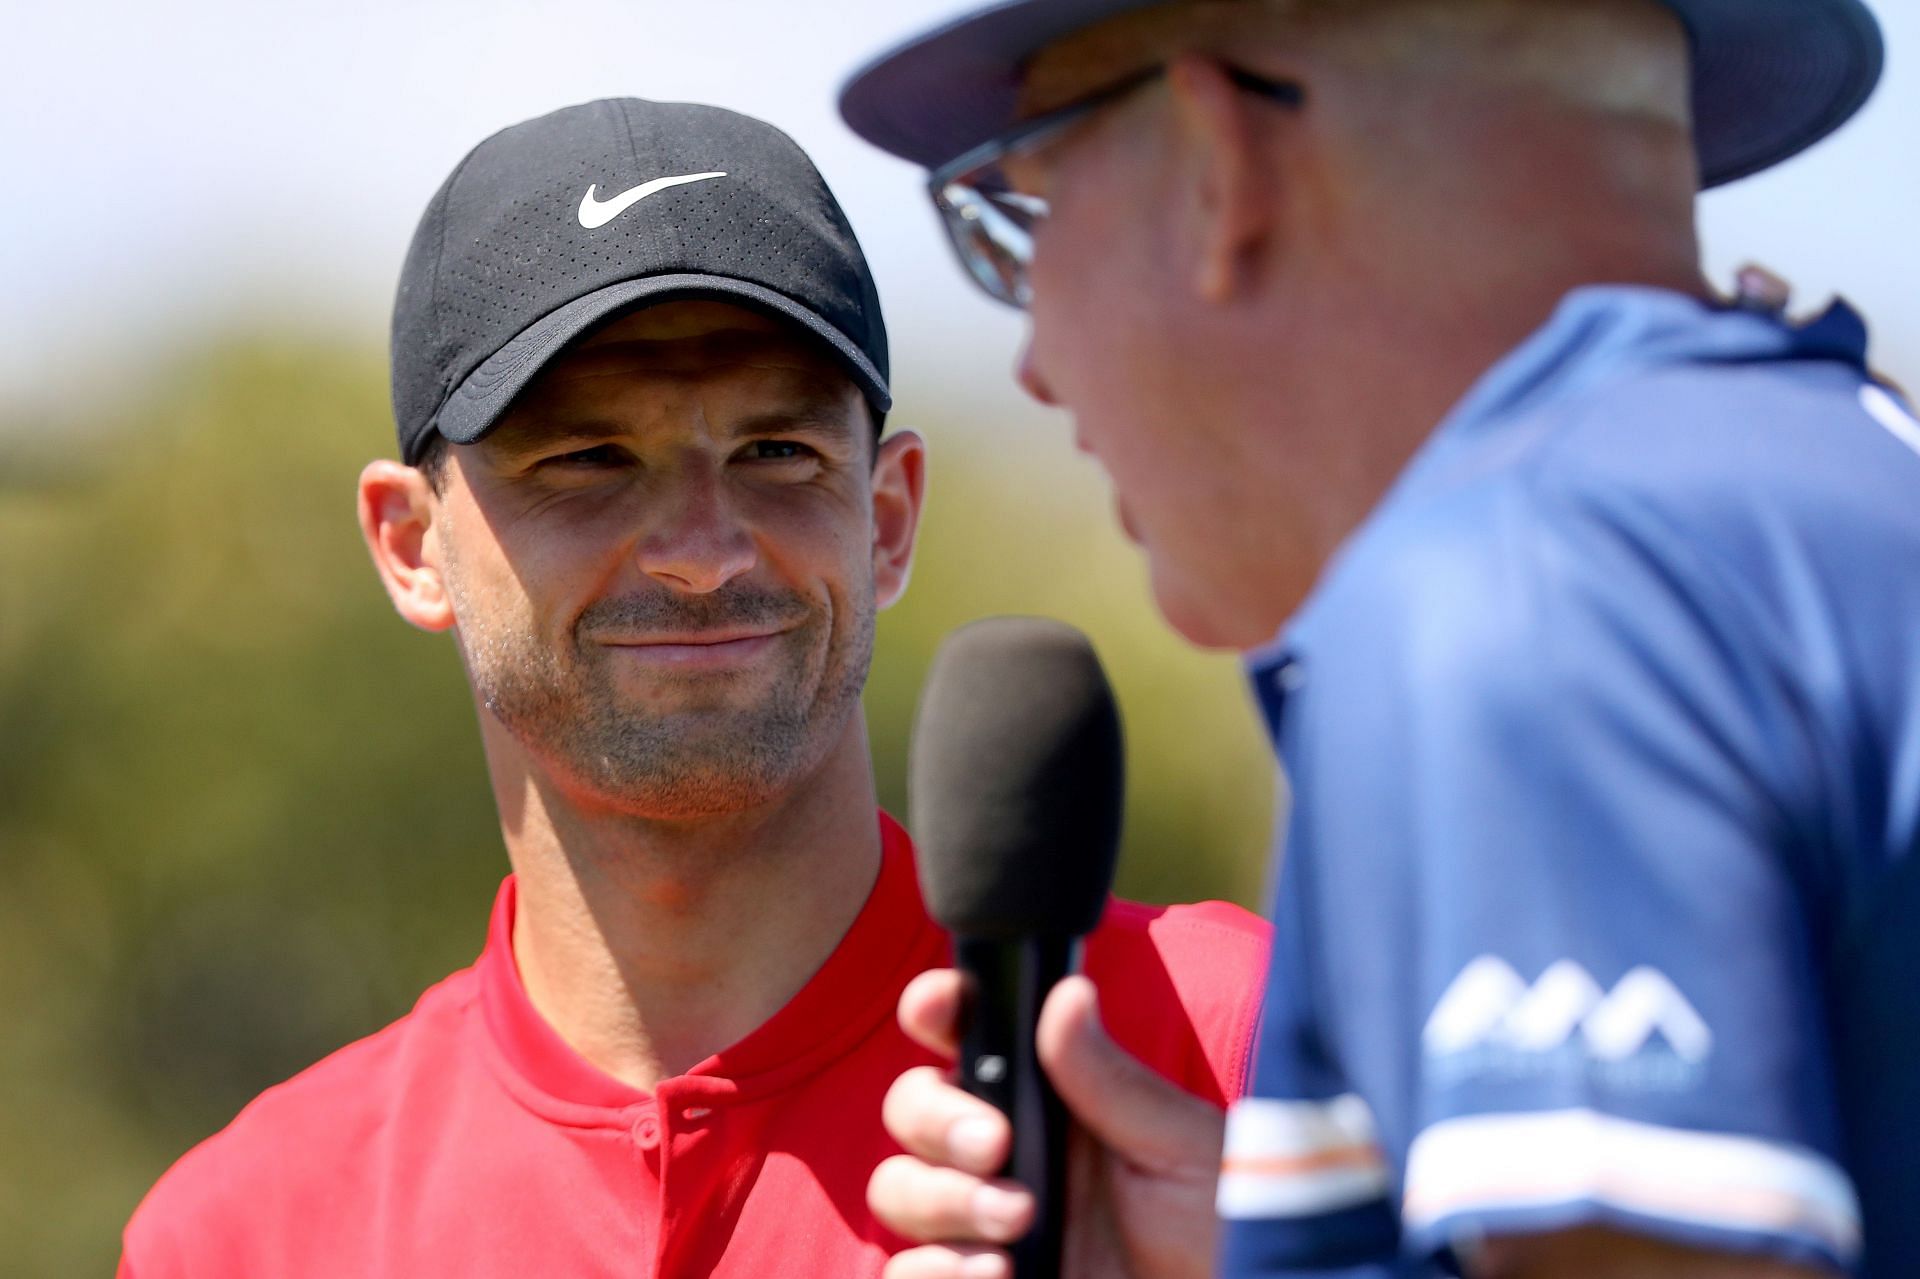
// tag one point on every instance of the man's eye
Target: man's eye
(598, 455)
(778, 450)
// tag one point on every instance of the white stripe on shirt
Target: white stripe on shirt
(1485, 1163)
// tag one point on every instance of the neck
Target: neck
(650, 945)
(1386, 328)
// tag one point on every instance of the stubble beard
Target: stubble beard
(715, 753)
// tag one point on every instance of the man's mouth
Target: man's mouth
(696, 650)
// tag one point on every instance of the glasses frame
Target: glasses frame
(961, 220)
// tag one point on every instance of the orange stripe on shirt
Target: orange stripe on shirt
(1338, 1157)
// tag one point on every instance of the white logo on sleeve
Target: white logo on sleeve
(595, 212)
(1488, 1006)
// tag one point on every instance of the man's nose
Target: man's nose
(694, 541)
(1027, 373)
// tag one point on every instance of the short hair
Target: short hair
(433, 462)
(1616, 57)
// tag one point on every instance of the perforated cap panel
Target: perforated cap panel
(513, 258)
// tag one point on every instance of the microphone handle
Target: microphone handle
(999, 1065)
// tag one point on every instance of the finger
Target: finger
(930, 1010)
(929, 1204)
(1123, 1102)
(937, 1261)
(938, 1122)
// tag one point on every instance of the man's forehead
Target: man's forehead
(598, 381)
(697, 327)
(688, 339)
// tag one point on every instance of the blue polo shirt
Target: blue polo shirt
(1600, 902)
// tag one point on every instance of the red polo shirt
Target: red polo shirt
(467, 1139)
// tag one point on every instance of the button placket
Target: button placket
(689, 1103)
(646, 1130)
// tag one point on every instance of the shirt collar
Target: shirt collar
(1600, 332)
(854, 992)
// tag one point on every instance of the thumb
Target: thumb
(1124, 1103)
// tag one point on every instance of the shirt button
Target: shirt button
(646, 1132)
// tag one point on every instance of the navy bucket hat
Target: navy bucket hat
(1770, 77)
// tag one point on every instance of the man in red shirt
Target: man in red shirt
(639, 368)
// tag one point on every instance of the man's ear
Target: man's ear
(397, 509)
(899, 485)
(1229, 201)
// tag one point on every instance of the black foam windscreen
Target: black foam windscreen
(1015, 781)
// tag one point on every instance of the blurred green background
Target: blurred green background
(243, 814)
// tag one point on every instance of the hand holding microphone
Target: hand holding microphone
(1016, 794)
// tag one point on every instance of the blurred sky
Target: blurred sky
(172, 168)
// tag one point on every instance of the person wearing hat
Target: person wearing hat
(639, 373)
(1579, 601)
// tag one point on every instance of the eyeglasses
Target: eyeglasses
(992, 225)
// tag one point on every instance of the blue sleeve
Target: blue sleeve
(1557, 830)
(1304, 1184)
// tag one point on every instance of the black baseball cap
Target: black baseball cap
(557, 224)
(1770, 77)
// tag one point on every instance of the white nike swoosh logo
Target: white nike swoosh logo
(596, 213)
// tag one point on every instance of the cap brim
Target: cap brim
(1771, 77)
(475, 406)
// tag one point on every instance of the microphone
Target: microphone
(1014, 782)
